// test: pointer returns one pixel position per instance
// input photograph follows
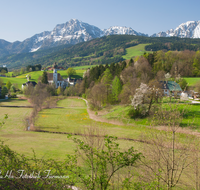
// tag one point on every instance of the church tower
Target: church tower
(55, 74)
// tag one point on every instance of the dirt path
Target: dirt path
(98, 117)
(95, 117)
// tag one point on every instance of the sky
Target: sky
(22, 19)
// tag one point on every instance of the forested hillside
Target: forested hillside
(103, 50)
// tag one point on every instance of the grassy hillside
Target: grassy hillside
(135, 51)
(191, 117)
(192, 80)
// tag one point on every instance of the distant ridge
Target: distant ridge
(190, 29)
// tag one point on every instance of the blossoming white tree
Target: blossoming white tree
(144, 97)
(138, 100)
(168, 76)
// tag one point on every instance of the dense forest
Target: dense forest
(103, 50)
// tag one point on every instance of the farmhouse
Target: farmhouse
(73, 82)
(170, 87)
(52, 68)
(33, 83)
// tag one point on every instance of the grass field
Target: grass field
(191, 117)
(85, 67)
(192, 80)
(135, 51)
(13, 133)
(72, 118)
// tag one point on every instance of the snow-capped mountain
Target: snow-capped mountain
(116, 30)
(190, 29)
(71, 32)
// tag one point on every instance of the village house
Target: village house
(33, 83)
(73, 82)
(170, 87)
(52, 68)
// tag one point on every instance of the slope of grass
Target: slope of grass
(73, 118)
(18, 81)
(191, 117)
(13, 133)
(85, 67)
(135, 51)
(192, 80)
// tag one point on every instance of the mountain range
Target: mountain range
(71, 32)
(76, 31)
(68, 44)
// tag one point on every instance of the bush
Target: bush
(84, 96)
(135, 113)
(4, 91)
(52, 90)
(12, 95)
(12, 88)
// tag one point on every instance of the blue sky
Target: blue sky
(22, 19)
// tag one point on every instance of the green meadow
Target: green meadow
(135, 51)
(84, 67)
(191, 116)
(192, 80)
(14, 134)
(72, 118)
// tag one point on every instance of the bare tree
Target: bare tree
(167, 157)
(160, 76)
(37, 96)
(98, 95)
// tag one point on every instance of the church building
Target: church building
(55, 78)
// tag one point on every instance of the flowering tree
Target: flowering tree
(168, 76)
(138, 98)
(145, 97)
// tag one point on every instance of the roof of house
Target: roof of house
(30, 82)
(50, 76)
(170, 85)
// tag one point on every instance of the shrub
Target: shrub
(84, 96)
(4, 91)
(12, 95)
(135, 113)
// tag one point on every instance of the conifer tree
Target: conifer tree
(44, 78)
(8, 85)
(107, 80)
(116, 88)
